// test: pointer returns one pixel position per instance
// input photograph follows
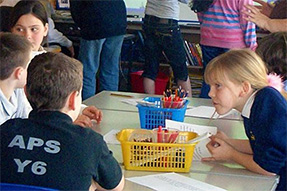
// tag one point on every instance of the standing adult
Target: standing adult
(103, 25)
(162, 33)
(268, 17)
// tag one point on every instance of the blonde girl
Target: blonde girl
(238, 80)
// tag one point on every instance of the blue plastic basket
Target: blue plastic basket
(152, 117)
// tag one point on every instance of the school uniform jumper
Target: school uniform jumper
(103, 25)
(49, 150)
(265, 122)
(222, 27)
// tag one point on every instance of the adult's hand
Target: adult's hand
(254, 15)
(264, 7)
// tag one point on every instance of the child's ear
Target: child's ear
(246, 88)
(18, 72)
(46, 29)
(72, 100)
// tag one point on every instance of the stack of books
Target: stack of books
(193, 53)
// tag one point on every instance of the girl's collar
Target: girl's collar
(247, 107)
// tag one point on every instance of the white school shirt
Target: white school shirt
(168, 9)
(17, 107)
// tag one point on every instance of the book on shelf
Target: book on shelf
(188, 53)
(193, 53)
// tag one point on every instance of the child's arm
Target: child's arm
(240, 145)
(83, 121)
(88, 114)
(225, 151)
(93, 113)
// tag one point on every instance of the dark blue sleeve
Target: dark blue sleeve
(109, 173)
(269, 125)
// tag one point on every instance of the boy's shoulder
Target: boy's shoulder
(17, 106)
(50, 121)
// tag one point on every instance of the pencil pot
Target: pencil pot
(153, 156)
(153, 116)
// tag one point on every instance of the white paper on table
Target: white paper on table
(131, 101)
(200, 150)
(111, 137)
(207, 112)
(174, 182)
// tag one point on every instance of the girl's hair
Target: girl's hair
(273, 50)
(238, 66)
(25, 7)
(199, 5)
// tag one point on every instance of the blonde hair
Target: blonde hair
(238, 66)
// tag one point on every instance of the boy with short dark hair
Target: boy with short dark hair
(15, 54)
(47, 149)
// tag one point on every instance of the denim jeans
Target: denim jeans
(102, 55)
(158, 38)
(208, 53)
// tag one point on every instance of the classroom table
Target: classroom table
(226, 175)
(109, 100)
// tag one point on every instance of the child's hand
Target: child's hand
(93, 113)
(219, 149)
(221, 135)
(83, 121)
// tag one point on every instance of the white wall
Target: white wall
(137, 7)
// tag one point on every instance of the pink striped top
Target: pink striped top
(222, 25)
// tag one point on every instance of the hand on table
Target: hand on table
(219, 149)
(89, 113)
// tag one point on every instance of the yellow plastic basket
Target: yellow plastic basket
(149, 156)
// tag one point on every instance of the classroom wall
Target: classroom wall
(136, 7)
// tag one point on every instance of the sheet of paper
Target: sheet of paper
(174, 182)
(111, 137)
(207, 112)
(131, 101)
(200, 150)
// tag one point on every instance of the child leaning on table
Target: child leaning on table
(238, 80)
(48, 149)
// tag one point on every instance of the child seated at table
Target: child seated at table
(16, 53)
(47, 149)
(238, 80)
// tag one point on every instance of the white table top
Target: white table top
(229, 176)
(105, 101)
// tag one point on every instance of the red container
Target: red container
(137, 82)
